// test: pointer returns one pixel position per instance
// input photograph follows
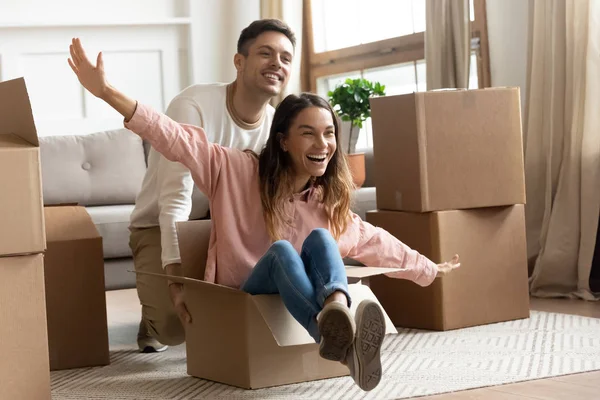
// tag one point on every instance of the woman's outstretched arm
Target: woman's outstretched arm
(92, 78)
(375, 247)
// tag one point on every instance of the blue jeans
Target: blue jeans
(304, 281)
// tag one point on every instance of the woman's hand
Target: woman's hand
(177, 298)
(93, 79)
(446, 267)
(90, 76)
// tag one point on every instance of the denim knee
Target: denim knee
(319, 236)
(284, 252)
(325, 265)
(283, 248)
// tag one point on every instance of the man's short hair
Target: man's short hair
(256, 28)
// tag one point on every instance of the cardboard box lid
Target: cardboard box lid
(65, 223)
(15, 111)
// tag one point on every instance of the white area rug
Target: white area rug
(415, 362)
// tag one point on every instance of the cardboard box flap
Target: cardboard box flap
(15, 111)
(353, 271)
(194, 237)
(68, 223)
(288, 332)
(191, 281)
(10, 141)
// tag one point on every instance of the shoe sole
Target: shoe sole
(336, 327)
(370, 331)
(152, 349)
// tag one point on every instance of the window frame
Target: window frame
(397, 50)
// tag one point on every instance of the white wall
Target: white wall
(145, 44)
(216, 26)
(508, 29)
(292, 15)
(153, 49)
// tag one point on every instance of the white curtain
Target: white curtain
(289, 11)
(447, 43)
(562, 145)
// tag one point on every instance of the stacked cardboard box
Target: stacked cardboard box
(450, 179)
(24, 369)
(75, 295)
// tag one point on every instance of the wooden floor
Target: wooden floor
(123, 306)
(570, 387)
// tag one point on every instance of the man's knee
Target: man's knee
(167, 330)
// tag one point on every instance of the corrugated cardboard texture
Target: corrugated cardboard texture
(193, 237)
(445, 150)
(271, 364)
(15, 111)
(219, 353)
(240, 349)
(253, 341)
(21, 218)
(75, 296)
(24, 369)
(491, 284)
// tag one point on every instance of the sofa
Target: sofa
(103, 171)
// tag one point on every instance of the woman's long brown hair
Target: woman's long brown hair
(276, 171)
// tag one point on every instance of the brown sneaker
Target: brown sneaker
(146, 343)
(364, 358)
(337, 328)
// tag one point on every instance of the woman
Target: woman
(282, 220)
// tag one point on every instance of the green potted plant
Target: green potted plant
(351, 102)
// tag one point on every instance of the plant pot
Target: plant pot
(356, 162)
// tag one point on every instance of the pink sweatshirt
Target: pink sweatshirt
(239, 238)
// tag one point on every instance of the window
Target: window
(399, 79)
(337, 25)
(389, 49)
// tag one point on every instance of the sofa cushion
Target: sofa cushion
(113, 224)
(117, 274)
(97, 169)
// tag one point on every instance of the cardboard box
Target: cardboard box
(243, 340)
(75, 296)
(490, 286)
(21, 218)
(445, 150)
(24, 369)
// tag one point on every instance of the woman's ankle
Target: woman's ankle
(338, 296)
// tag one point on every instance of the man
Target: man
(235, 115)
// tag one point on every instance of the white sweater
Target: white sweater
(166, 194)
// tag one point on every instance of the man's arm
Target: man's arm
(175, 189)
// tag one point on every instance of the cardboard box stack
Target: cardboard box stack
(24, 369)
(450, 179)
